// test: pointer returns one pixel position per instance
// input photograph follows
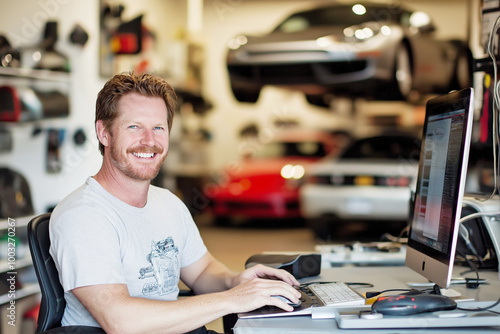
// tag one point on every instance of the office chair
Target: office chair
(52, 304)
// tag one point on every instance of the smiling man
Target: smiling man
(121, 245)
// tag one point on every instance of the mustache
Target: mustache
(146, 149)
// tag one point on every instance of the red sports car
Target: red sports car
(266, 184)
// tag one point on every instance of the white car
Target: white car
(371, 180)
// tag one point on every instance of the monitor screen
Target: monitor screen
(440, 186)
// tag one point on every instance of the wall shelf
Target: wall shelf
(20, 222)
(25, 291)
(28, 73)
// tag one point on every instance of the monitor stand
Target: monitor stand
(451, 293)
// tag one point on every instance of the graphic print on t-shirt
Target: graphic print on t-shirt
(164, 268)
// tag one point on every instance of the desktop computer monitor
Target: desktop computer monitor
(434, 226)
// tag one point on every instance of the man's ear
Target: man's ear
(102, 133)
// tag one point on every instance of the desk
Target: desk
(382, 278)
(362, 254)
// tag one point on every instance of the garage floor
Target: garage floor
(233, 245)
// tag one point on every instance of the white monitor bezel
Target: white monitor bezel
(420, 258)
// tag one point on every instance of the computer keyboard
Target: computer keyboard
(336, 293)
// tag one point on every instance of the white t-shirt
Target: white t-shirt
(98, 239)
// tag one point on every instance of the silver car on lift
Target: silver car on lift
(379, 51)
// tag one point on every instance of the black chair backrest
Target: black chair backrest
(52, 303)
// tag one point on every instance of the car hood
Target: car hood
(366, 167)
(310, 34)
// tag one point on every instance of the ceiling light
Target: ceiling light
(358, 9)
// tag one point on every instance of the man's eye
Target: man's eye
(133, 127)
(159, 128)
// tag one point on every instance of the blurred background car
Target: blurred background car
(265, 184)
(372, 180)
(355, 50)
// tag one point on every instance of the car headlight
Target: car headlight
(236, 188)
(293, 175)
(236, 42)
(361, 33)
(292, 172)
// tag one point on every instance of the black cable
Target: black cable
(371, 294)
(464, 233)
(486, 308)
(359, 283)
(434, 290)
(469, 282)
(474, 285)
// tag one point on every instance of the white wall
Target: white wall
(23, 21)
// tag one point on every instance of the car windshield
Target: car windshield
(339, 16)
(291, 149)
(392, 147)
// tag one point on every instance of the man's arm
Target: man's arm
(209, 275)
(117, 312)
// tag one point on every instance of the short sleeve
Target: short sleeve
(194, 247)
(85, 248)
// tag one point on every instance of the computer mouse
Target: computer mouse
(288, 301)
(412, 304)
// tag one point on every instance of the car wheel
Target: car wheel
(403, 75)
(462, 74)
(246, 95)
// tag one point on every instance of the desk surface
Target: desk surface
(382, 278)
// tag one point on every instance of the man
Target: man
(121, 245)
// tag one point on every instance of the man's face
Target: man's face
(139, 141)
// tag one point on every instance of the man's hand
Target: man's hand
(261, 271)
(258, 292)
(241, 292)
(254, 288)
